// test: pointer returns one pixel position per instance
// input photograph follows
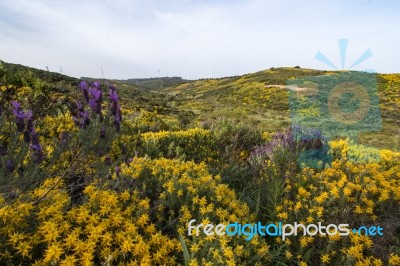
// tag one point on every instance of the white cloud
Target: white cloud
(135, 38)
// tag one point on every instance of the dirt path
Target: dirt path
(292, 88)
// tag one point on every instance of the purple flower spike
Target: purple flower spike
(34, 137)
(95, 101)
(84, 87)
(96, 84)
(10, 166)
(16, 105)
(27, 136)
(20, 116)
(64, 138)
(29, 125)
(79, 106)
(38, 155)
(96, 94)
(118, 119)
(115, 108)
(114, 102)
(92, 104)
(37, 147)
(107, 160)
(113, 96)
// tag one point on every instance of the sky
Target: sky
(194, 39)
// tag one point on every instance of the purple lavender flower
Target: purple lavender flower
(96, 84)
(93, 105)
(27, 136)
(84, 87)
(81, 119)
(288, 146)
(107, 160)
(38, 155)
(10, 166)
(114, 102)
(34, 137)
(115, 108)
(16, 105)
(118, 119)
(20, 116)
(79, 106)
(95, 101)
(113, 95)
(29, 124)
(63, 138)
(96, 94)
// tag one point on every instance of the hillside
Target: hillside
(252, 98)
(106, 172)
(261, 100)
(155, 83)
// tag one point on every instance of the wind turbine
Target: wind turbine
(158, 71)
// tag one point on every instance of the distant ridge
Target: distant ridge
(52, 77)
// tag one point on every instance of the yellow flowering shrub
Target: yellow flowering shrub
(357, 192)
(192, 144)
(181, 191)
(52, 127)
(109, 228)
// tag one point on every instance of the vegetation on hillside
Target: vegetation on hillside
(107, 173)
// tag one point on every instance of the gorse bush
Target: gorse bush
(192, 144)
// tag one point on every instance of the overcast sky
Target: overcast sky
(196, 39)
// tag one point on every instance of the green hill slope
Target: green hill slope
(261, 99)
(258, 99)
(113, 173)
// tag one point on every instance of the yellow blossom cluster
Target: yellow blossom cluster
(355, 192)
(54, 126)
(109, 228)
